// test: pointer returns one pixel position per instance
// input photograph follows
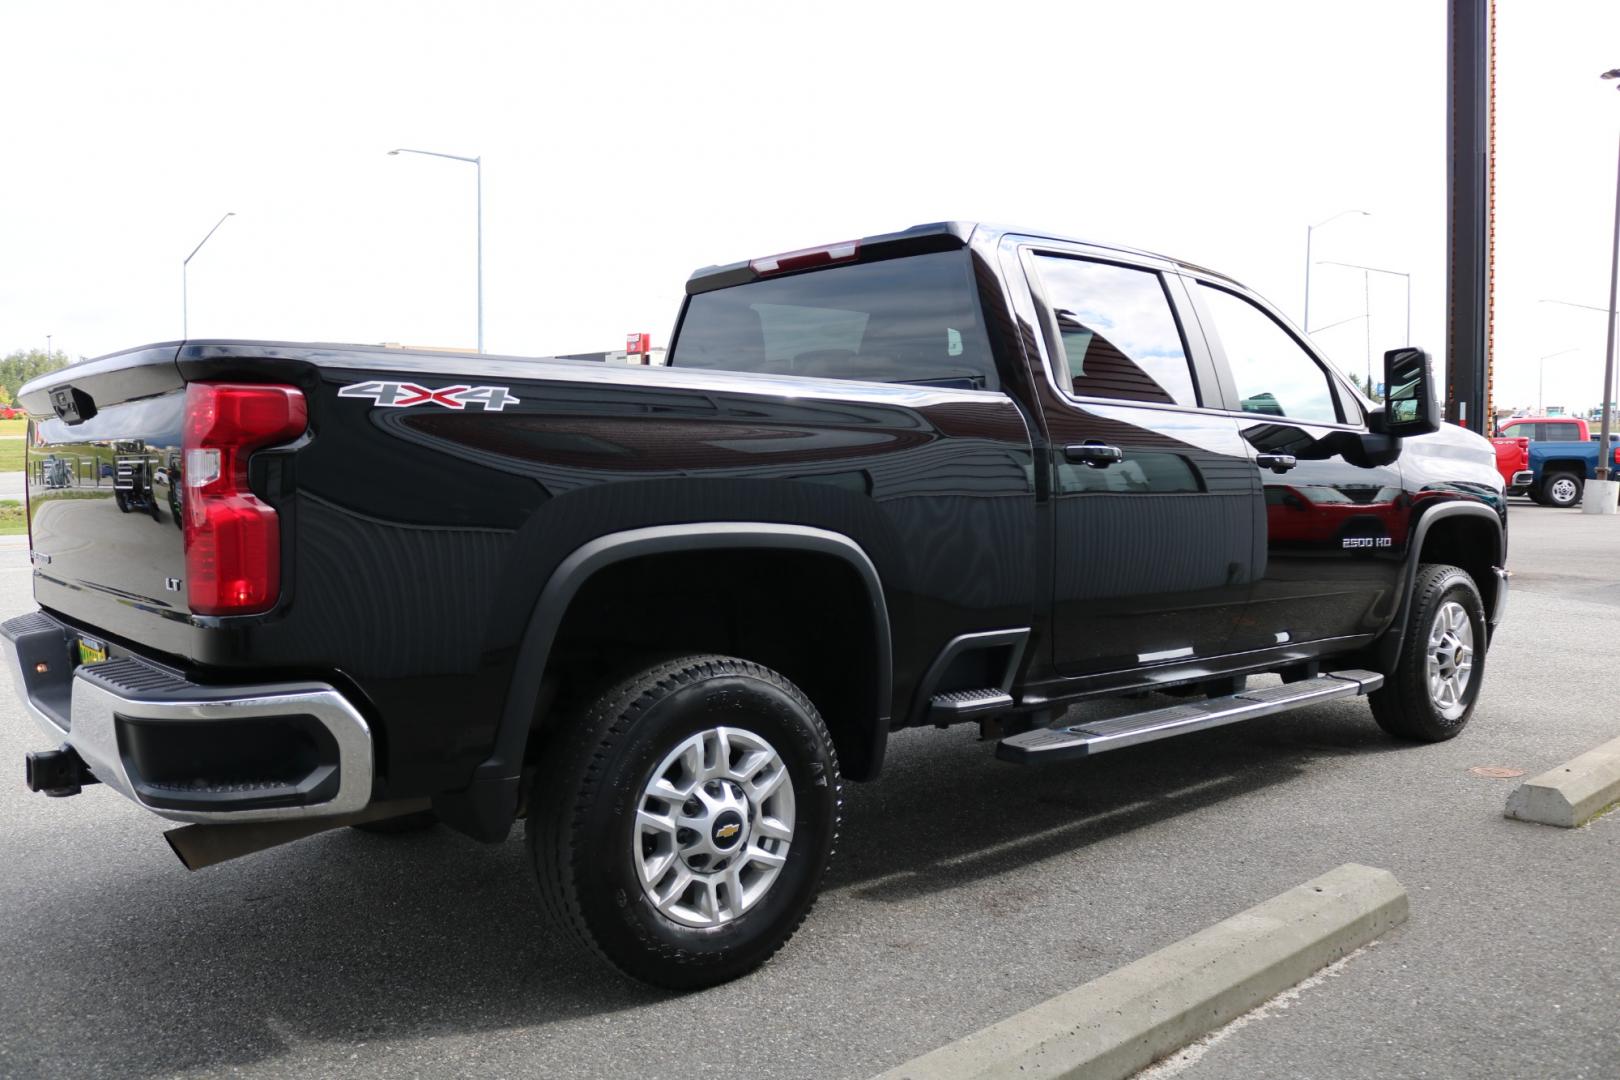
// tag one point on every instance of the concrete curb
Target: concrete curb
(1571, 794)
(1119, 1023)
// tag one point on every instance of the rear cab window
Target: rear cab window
(1118, 332)
(912, 320)
(1543, 431)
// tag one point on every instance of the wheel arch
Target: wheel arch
(490, 805)
(1468, 535)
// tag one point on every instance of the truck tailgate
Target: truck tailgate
(104, 491)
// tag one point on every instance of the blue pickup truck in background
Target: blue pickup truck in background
(1558, 471)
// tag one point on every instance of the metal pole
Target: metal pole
(478, 165)
(1307, 326)
(1409, 310)
(1366, 307)
(1605, 454)
(185, 320)
(1469, 99)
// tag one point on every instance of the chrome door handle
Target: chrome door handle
(1096, 455)
(1277, 463)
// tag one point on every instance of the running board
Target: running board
(1094, 736)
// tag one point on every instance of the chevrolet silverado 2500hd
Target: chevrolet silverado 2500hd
(950, 474)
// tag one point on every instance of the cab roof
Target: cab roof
(917, 240)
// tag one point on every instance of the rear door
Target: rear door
(1154, 498)
(1335, 519)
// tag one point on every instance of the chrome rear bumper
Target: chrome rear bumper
(190, 752)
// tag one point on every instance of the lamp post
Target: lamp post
(1391, 273)
(1541, 379)
(1573, 304)
(185, 311)
(1309, 229)
(478, 165)
(1614, 293)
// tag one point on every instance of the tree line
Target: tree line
(20, 365)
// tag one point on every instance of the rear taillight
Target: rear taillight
(233, 539)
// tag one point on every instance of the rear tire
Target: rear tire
(1431, 691)
(702, 886)
(1562, 489)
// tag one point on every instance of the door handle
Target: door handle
(1277, 463)
(1096, 455)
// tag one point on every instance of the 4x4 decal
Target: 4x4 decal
(402, 395)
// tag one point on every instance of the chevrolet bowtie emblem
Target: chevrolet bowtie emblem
(726, 832)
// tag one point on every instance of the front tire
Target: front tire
(1430, 694)
(681, 826)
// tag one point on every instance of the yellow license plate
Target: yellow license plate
(91, 652)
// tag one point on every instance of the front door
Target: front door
(1154, 497)
(1336, 516)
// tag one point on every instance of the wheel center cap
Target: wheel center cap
(727, 830)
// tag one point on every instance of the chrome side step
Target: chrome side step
(1093, 737)
(957, 705)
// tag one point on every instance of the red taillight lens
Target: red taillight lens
(233, 539)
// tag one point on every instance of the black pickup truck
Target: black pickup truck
(950, 474)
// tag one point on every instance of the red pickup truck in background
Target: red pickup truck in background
(1514, 437)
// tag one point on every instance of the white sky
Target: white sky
(625, 144)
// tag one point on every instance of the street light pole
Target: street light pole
(478, 166)
(1541, 379)
(1604, 453)
(1379, 270)
(185, 307)
(1305, 325)
(1366, 307)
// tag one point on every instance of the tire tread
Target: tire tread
(1401, 707)
(575, 765)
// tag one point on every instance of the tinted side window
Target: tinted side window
(910, 320)
(1274, 376)
(1119, 333)
(1516, 431)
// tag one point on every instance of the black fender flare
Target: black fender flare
(1389, 646)
(489, 806)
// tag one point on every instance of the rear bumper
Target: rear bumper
(190, 752)
(1523, 479)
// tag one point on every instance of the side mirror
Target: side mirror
(1409, 407)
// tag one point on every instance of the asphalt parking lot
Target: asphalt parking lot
(965, 890)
